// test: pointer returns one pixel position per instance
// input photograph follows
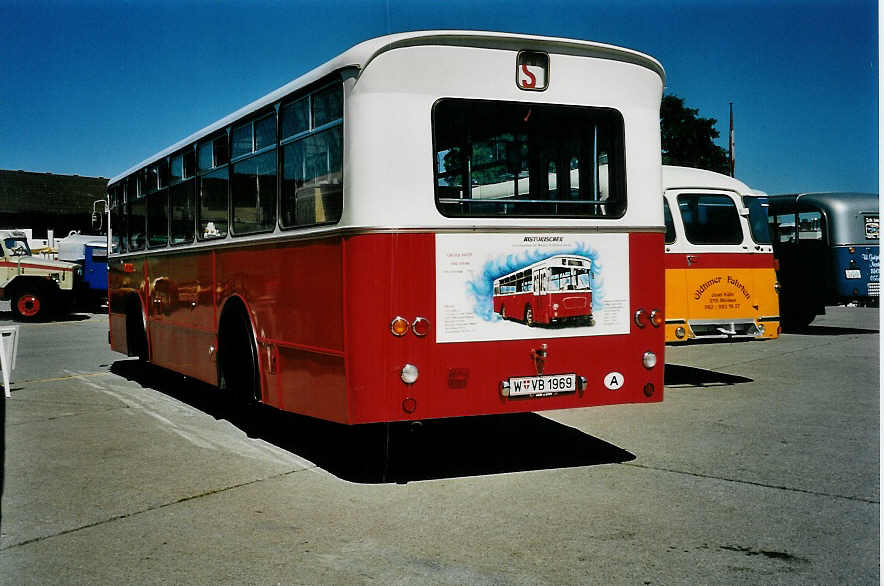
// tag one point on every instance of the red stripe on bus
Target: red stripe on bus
(33, 266)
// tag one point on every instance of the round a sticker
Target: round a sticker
(613, 380)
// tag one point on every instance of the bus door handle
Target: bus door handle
(692, 260)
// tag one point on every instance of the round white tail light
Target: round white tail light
(409, 374)
(649, 359)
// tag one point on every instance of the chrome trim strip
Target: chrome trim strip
(714, 322)
(336, 231)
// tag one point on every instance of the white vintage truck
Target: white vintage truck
(37, 287)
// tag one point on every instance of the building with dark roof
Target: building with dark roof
(42, 201)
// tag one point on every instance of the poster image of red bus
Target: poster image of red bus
(523, 286)
(554, 291)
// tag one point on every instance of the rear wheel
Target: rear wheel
(503, 312)
(30, 304)
(238, 357)
(529, 316)
(136, 336)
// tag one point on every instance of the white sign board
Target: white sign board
(486, 283)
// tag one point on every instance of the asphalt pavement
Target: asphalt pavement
(761, 466)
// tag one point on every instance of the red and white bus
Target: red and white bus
(554, 290)
(331, 249)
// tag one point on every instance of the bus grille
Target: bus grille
(873, 289)
(724, 329)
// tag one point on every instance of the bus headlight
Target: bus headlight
(649, 359)
(679, 332)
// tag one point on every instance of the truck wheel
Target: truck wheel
(30, 304)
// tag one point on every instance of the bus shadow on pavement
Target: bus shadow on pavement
(396, 452)
(677, 375)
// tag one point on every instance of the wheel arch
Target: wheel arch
(236, 304)
(135, 310)
(19, 282)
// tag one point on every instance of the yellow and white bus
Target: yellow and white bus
(720, 277)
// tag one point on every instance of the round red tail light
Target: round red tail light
(420, 326)
(656, 318)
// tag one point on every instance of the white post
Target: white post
(8, 352)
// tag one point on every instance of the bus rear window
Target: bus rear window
(710, 219)
(530, 160)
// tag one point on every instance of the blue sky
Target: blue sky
(94, 87)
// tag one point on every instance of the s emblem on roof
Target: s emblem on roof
(532, 71)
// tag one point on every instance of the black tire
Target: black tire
(238, 357)
(136, 336)
(503, 312)
(31, 303)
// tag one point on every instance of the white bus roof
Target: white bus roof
(362, 54)
(687, 178)
(547, 261)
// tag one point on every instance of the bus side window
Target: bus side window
(136, 217)
(312, 144)
(213, 188)
(158, 219)
(312, 191)
(181, 196)
(213, 205)
(785, 228)
(810, 226)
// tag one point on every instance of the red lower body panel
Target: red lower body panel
(321, 313)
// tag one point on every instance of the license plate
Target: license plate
(853, 274)
(542, 385)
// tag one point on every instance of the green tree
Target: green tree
(687, 138)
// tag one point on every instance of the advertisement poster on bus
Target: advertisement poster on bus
(525, 286)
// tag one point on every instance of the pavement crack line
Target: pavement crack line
(753, 483)
(150, 509)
